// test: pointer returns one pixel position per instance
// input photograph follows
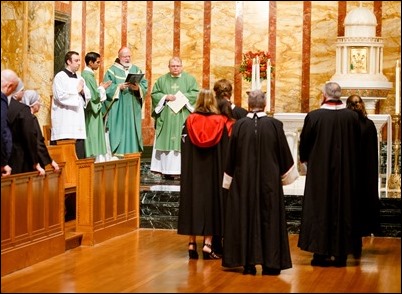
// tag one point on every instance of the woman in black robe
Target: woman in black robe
(204, 141)
(369, 201)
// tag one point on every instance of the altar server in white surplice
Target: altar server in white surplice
(70, 97)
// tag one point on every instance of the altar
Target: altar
(293, 124)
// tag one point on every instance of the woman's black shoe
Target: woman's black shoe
(249, 270)
(192, 253)
(268, 271)
(211, 254)
(340, 261)
(321, 260)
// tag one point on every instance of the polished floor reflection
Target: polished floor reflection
(156, 261)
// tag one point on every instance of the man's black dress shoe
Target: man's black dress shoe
(249, 270)
(268, 271)
(340, 261)
(321, 260)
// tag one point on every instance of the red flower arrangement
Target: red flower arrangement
(247, 64)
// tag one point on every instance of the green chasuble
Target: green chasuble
(168, 124)
(95, 142)
(123, 108)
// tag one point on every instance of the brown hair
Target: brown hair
(206, 102)
(360, 109)
(223, 89)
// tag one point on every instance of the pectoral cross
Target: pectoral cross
(175, 87)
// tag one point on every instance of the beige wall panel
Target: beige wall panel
(40, 75)
(391, 28)
(324, 33)
(12, 34)
(112, 32)
(192, 37)
(162, 38)
(76, 28)
(92, 21)
(223, 21)
(136, 31)
(288, 67)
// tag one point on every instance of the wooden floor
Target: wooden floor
(152, 261)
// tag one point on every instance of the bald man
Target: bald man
(24, 152)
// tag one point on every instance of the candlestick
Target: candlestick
(257, 74)
(269, 85)
(253, 75)
(397, 87)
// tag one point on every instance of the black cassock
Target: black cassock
(330, 144)
(255, 230)
(24, 153)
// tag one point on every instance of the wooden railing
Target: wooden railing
(32, 218)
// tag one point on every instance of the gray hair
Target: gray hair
(256, 100)
(332, 90)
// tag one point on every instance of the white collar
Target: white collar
(259, 114)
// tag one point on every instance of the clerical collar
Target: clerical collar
(258, 114)
(70, 74)
(333, 104)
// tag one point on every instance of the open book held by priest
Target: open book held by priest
(179, 103)
(134, 78)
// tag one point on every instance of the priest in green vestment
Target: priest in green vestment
(95, 144)
(173, 97)
(123, 106)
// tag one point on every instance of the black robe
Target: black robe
(203, 145)
(329, 143)
(239, 112)
(24, 154)
(369, 202)
(255, 221)
(43, 153)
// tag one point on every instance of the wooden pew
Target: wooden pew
(107, 193)
(107, 198)
(32, 218)
(64, 151)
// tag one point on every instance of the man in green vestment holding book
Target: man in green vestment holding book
(123, 106)
(173, 96)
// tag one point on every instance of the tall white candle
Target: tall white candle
(253, 75)
(257, 74)
(397, 88)
(269, 85)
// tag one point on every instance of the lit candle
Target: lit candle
(397, 89)
(269, 85)
(257, 74)
(253, 75)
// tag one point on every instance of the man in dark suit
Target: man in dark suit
(9, 82)
(24, 151)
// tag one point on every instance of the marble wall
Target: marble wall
(210, 36)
